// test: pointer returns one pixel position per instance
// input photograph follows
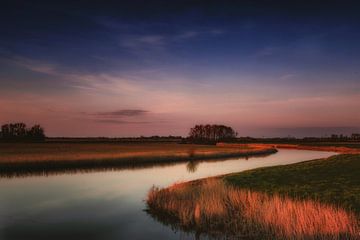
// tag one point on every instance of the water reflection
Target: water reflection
(107, 203)
(192, 166)
(50, 170)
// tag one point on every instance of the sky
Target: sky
(142, 68)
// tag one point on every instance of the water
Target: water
(108, 204)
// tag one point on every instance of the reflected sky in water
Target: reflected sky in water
(108, 204)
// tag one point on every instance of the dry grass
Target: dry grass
(213, 208)
(338, 149)
(17, 152)
(40, 157)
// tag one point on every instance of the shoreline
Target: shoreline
(343, 150)
(45, 167)
(340, 150)
(305, 187)
(213, 208)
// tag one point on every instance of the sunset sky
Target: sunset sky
(131, 68)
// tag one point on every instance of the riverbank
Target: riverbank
(43, 158)
(313, 200)
(344, 148)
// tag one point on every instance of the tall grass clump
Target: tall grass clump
(213, 208)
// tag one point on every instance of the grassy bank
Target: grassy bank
(318, 199)
(335, 144)
(328, 147)
(335, 180)
(22, 158)
(213, 208)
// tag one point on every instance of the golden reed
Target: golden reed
(214, 208)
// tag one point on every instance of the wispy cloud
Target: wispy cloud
(141, 41)
(187, 35)
(124, 113)
(116, 121)
(267, 51)
(122, 116)
(88, 82)
(152, 39)
(287, 76)
(33, 65)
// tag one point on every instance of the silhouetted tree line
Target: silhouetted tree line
(211, 133)
(19, 132)
(354, 137)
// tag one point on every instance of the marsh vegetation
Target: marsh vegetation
(311, 200)
(213, 208)
(20, 158)
(108, 202)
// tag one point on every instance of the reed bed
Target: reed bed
(216, 209)
(24, 159)
(35, 152)
(350, 149)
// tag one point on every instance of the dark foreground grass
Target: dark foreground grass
(335, 180)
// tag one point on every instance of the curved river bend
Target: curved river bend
(108, 204)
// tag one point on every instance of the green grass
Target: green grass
(334, 144)
(335, 180)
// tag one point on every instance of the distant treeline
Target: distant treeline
(203, 134)
(142, 139)
(184, 140)
(211, 133)
(18, 132)
(355, 137)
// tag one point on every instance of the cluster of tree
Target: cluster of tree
(19, 132)
(211, 133)
(354, 136)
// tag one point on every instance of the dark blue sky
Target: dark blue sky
(268, 68)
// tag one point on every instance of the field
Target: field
(41, 157)
(336, 144)
(335, 180)
(329, 147)
(318, 199)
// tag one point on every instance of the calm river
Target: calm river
(108, 204)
